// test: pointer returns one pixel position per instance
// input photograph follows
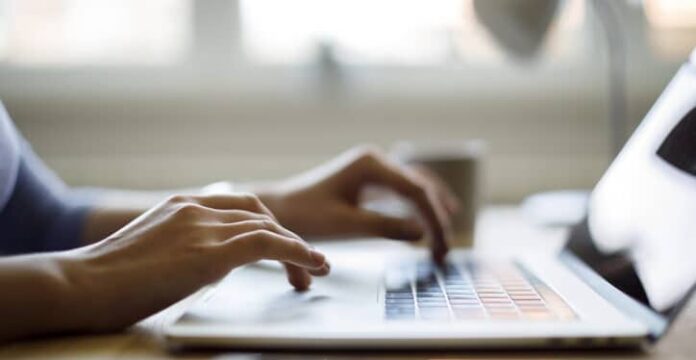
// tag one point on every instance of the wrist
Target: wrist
(268, 192)
(277, 197)
(85, 298)
(41, 298)
(276, 201)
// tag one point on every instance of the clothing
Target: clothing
(9, 157)
(38, 212)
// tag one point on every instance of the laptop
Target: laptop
(620, 281)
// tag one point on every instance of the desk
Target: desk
(500, 229)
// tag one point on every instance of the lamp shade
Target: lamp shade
(519, 26)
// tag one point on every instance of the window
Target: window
(402, 32)
(295, 32)
(671, 14)
(76, 32)
(672, 27)
(281, 32)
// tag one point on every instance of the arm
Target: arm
(36, 297)
(159, 258)
(173, 249)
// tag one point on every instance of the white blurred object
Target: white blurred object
(644, 204)
(556, 208)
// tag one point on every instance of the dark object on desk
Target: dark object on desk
(679, 148)
(616, 268)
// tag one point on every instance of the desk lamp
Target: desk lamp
(519, 27)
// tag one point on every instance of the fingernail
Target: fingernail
(317, 257)
(439, 254)
(326, 267)
(301, 284)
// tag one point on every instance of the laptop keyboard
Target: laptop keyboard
(473, 290)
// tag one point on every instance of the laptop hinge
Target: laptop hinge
(656, 323)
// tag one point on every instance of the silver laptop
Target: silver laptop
(621, 280)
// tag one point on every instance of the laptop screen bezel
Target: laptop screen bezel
(657, 323)
(654, 321)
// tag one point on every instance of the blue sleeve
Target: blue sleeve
(42, 213)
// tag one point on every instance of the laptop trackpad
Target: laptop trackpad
(260, 294)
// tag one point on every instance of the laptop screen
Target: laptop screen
(642, 214)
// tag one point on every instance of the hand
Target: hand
(176, 248)
(326, 201)
(444, 193)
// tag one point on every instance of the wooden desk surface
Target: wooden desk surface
(500, 229)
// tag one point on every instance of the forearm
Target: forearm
(37, 297)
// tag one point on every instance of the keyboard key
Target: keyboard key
(400, 307)
(400, 316)
(455, 297)
(440, 298)
(431, 288)
(398, 300)
(464, 301)
(465, 289)
(457, 281)
(432, 306)
(432, 300)
(466, 306)
(529, 302)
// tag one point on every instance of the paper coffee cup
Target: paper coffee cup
(458, 165)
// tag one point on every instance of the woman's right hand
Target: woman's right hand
(176, 248)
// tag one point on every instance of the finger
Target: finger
(248, 202)
(264, 244)
(444, 192)
(387, 174)
(229, 230)
(232, 216)
(298, 277)
(322, 271)
(375, 224)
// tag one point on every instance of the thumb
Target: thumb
(376, 224)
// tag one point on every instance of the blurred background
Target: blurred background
(169, 93)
